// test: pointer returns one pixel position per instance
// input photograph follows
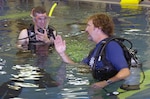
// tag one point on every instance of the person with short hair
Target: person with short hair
(99, 27)
(38, 33)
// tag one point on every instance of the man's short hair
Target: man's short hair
(38, 9)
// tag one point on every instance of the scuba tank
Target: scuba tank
(133, 81)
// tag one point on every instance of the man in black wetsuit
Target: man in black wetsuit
(38, 33)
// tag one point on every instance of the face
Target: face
(41, 20)
(90, 29)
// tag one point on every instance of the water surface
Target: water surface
(28, 76)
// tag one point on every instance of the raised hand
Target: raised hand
(60, 44)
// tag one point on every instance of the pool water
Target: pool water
(29, 76)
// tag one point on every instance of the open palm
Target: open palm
(60, 44)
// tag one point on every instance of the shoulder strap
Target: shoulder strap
(117, 39)
(50, 31)
(100, 55)
(31, 32)
(100, 50)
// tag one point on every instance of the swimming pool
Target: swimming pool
(27, 76)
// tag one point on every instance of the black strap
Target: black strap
(108, 69)
(120, 41)
(98, 53)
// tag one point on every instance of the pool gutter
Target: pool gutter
(145, 3)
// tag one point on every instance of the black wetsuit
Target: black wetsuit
(32, 36)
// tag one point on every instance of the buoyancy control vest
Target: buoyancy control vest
(32, 36)
(107, 71)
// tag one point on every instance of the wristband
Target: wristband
(108, 81)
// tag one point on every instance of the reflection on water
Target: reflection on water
(2, 64)
(43, 75)
(26, 74)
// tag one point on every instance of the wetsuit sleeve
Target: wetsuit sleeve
(115, 55)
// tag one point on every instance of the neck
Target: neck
(101, 38)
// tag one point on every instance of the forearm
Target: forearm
(66, 58)
(22, 45)
(19, 46)
(122, 74)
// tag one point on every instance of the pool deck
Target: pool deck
(142, 3)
